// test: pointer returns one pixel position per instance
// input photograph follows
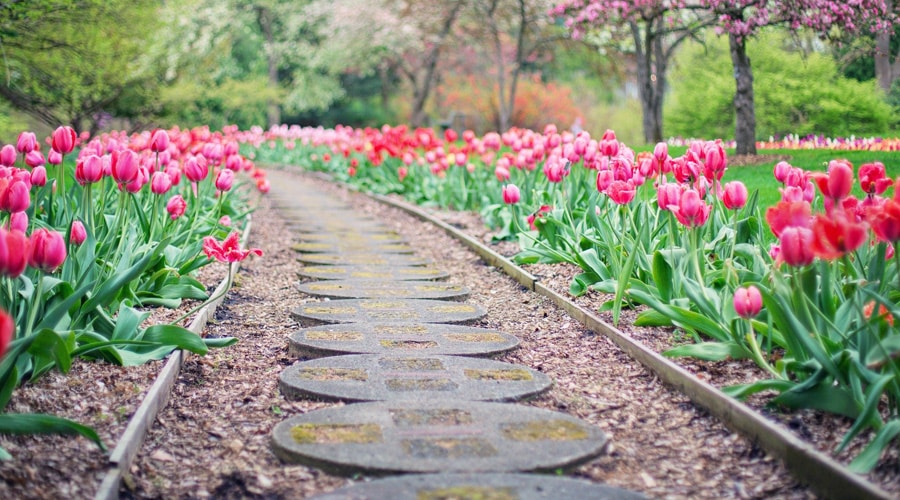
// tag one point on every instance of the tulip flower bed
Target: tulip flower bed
(805, 289)
(95, 233)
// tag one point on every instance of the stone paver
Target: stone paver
(382, 289)
(379, 377)
(436, 436)
(363, 259)
(378, 310)
(387, 273)
(352, 246)
(480, 487)
(398, 338)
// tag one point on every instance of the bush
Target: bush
(794, 93)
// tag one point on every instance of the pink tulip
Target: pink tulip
(7, 331)
(224, 179)
(34, 158)
(233, 162)
(160, 183)
(48, 250)
(796, 246)
(621, 192)
(89, 170)
(782, 169)
(123, 166)
(609, 145)
(18, 221)
(26, 143)
(159, 141)
(176, 206)
(54, 157)
(747, 301)
(16, 197)
(8, 155)
(691, 210)
(511, 194)
(63, 140)
(195, 168)
(225, 221)
(78, 233)
(39, 176)
(734, 195)
(228, 250)
(14, 250)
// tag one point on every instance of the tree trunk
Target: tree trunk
(422, 89)
(745, 114)
(648, 90)
(885, 68)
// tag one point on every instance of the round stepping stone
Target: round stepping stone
(395, 273)
(398, 338)
(382, 377)
(354, 227)
(363, 259)
(351, 246)
(480, 486)
(380, 289)
(377, 310)
(436, 436)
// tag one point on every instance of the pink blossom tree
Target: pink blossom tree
(651, 29)
(741, 19)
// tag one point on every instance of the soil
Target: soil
(212, 439)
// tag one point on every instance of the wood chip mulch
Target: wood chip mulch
(212, 439)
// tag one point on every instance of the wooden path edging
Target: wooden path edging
(131, 440)
(823, 474)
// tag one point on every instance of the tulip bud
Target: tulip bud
(747, 301)
(39, 176)
(160, 183)
(734, 195)
(26, 143)
(176, 206)
(7, 331)
(78, 233)
(159, 141)
(63, 140)
(34, 158)
(18, 221)
(16, 197)
(511, 194)
(124, 166)
(224, 179)
(225, 221)
(48, 250)
(8, 155)
(14, 249)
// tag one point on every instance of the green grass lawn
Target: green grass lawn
(760, 177)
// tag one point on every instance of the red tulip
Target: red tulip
(747, 301)
(838, 182)
(7, 331)
(224, 179)
(123, 166)
(176, 206)
(836, 235)
(786, 214)
(734, 195)
(885, 221)
(63, 140)
(14, 249)
(27, 142)
(511, 194)
(48, 250)
(228, 250)
(77, 234)
(450, 135)
(796, 246)
(8, 155)
(872, 178)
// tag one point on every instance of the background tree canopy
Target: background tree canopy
(480, 64)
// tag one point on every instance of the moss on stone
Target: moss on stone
(509, 374)
(545, 430)
(336, 433)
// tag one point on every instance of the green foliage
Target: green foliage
(194, 103)
(794, 94)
